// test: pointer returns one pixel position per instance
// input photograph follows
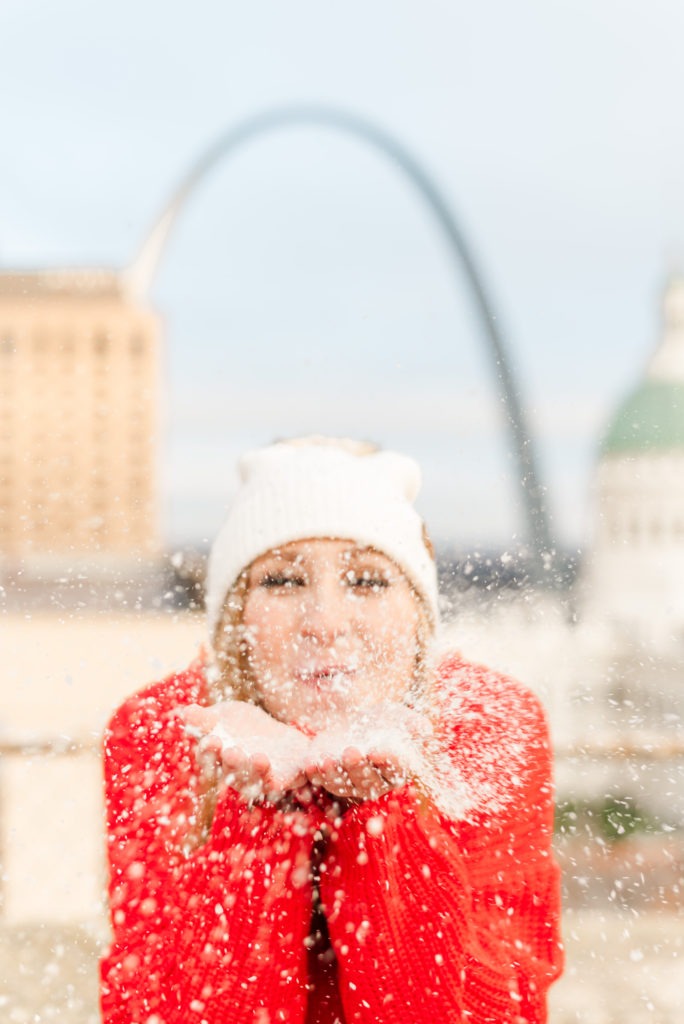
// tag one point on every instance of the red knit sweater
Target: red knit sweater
(432, 918)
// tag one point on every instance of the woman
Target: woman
(316, 823)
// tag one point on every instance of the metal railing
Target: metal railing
(645, 749)
(50, 746)
(642, 747)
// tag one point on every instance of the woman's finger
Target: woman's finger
(240, 771)
(357, 772)
(352, 757)
(362, 782)
(368, 782)
(374, 773)
(334, 777)
(365, 779)
(297, 782)
(250, 774)
(260, 765)
(233, 759)
(314, 776)
(385, 761)
(389, 766)
(316, 773)
(210, 745)
(289, 781)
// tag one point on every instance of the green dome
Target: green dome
(651, 419)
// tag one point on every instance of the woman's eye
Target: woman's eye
(274, 580)
(367, 581)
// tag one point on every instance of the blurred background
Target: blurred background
(454, 229)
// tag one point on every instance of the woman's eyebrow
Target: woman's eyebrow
(282, 556)
(366, 553)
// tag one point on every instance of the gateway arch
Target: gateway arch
(140, 274)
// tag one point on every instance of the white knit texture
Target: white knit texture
(300, 492)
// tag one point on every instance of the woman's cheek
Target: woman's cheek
(392, 640)
(265, 626)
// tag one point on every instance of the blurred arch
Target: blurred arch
(139, 275)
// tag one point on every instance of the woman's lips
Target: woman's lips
(322, 675)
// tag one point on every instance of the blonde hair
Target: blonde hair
(230, 646)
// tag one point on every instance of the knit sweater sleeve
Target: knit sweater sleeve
(215, 935)
(454, 917)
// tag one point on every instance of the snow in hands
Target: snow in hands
(358, 757)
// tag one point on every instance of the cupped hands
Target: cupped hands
(262, 757)
(247, 748)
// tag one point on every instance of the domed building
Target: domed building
(632, 612)
(635, 576)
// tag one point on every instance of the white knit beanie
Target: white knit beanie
(322, 488)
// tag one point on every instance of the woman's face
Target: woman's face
(331, 629)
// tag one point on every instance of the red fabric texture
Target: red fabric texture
(431, 916)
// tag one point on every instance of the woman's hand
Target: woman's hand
(247, 748)
(359, 762)
(357, 776)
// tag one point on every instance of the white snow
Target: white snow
(290, 751)
(287, 755)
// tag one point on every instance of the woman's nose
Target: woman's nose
(325, 612)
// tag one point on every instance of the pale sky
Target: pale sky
(305, 287)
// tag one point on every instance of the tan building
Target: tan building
(79, 369)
